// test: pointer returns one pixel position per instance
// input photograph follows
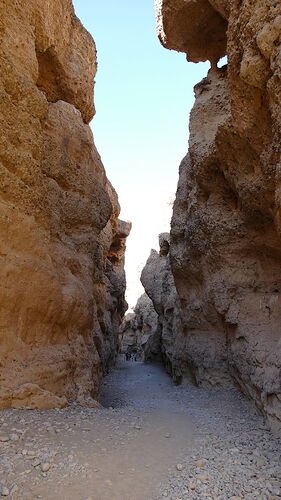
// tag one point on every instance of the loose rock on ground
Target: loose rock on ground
(218, 447)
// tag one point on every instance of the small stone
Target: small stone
(199, 463)
(31, 453)
(261, 462)
(192, 486)
(45, 467)
(14, 437)
(5, 492)
(4, 439)
(167, 435)
(179, 467)
(202, 477)
(36, 462)
(138, 427)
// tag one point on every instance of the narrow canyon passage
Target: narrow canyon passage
(211, 307)
(150, 440)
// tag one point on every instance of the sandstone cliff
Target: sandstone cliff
(139, 331)
(62, 245)
(225, 236)
(159, 285)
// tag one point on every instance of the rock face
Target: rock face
(225, 237)
(159, 285)
(139, 331)
(62, 245)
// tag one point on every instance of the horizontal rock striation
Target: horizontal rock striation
(225, 238)
(62, 245)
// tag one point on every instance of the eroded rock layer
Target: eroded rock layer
(139, 331)
(225, 238)
(158, 281)
(62, 245)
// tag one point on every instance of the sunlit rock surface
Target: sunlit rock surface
(225, 245)
(62, 245)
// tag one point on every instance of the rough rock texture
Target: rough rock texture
(61, 248)
(202, 39)
(225, 237)
(139, 331)
(159, 285)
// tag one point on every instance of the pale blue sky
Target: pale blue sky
(143, 97)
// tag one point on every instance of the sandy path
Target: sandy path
(117, 453)
(130, 449)
(155, 438)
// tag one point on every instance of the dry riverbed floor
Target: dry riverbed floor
(152, 440)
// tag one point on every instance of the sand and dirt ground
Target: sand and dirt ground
(151, 440)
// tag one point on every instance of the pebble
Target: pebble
(199, 463)
(14, 437)
(31, 453)
(45, 467)
(4, 439)
(192, 486)
(179, 467)
(202, 477)
(5, 492)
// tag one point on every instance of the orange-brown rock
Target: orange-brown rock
(225, 238)
(61, 247)
(194, 27)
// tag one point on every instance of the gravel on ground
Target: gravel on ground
(151, 440)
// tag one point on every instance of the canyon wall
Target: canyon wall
(139, 332)
(62, 245)
(225, 248)
(158, 282)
